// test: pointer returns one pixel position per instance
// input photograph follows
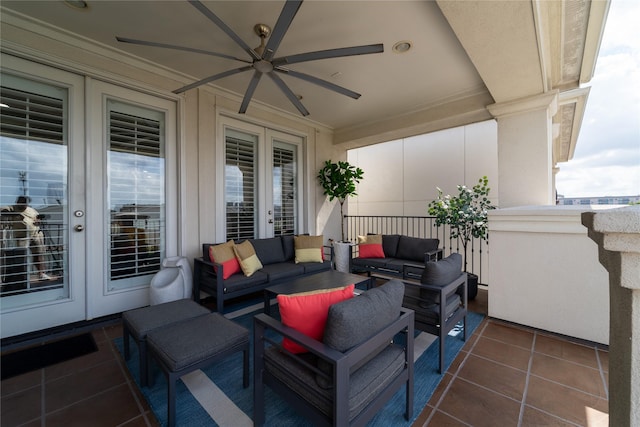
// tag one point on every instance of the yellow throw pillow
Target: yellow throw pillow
(249, 261)
(308, 248)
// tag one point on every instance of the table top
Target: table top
(324, 280)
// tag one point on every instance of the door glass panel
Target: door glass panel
(240, 184)
(33, 183)
(284, 170)
(136, 195)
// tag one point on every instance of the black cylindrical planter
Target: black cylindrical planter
(472, 285)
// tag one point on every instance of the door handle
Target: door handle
(79, 227)
(270, 221)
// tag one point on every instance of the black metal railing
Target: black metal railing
(418, 226)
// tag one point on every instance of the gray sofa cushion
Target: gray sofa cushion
(269, 250)
(288, 247)
(414, 248)
(282, 270)
(390, 244)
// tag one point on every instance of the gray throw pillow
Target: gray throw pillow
(353, 321)
(439, 273)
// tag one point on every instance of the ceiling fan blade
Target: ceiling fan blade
(184, 48)
(284, 21)
(214, 18)
(325, 84)
(329, 53)
(292, 96)
(249, 93)
(212, 78)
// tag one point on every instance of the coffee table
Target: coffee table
(324, 280)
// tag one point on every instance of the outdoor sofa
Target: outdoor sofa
(399, 256)
(278, 258)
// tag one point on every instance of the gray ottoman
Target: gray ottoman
(195, 344)
(139, 322)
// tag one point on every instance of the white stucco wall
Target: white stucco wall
(545, 272)
(401, 176)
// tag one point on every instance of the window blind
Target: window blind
(136, 194)
(240, 188)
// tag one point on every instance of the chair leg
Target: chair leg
(171, 400)
(125, 341)
(443, 334)
(258, 369)
(245, 365)
(144, 363)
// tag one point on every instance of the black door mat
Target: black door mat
(23, 361)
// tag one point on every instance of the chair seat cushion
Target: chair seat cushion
(364, 383)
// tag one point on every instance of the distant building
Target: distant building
(607, 200)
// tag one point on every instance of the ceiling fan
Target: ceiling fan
(262, 58)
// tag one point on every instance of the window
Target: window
(33, 165)
(240, 184)
(136, 183)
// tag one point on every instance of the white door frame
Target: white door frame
(264, 202)
(32, 312)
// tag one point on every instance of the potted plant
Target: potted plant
(338, 180)
(466, 215)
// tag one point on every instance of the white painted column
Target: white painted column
(617, 233)
(525, 163)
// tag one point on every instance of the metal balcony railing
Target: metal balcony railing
(419, 226)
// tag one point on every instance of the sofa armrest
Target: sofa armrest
(434, 255)
(331, 254)
(200, 266)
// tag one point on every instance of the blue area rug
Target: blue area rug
(229, 404)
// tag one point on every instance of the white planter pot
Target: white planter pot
(342, 253)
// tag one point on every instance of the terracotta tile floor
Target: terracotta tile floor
(505, 376)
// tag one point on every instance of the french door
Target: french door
(42, 245)
(131, 198)
(86, 218)
(260, 181)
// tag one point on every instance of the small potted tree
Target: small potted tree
(338, 180)
(466, 215)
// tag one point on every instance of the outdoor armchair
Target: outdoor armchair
(440, 281)
(339, 386)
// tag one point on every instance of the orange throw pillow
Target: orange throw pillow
(370, 246)
(224, 254)
(307, 312)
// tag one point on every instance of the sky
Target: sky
(606, 161)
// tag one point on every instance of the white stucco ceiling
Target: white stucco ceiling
(436, 70)
(466, 55)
